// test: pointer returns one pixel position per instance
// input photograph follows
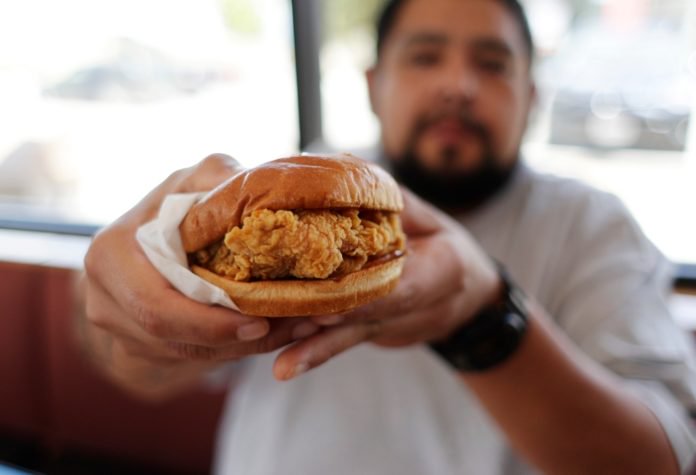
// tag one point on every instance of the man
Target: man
(586, 374)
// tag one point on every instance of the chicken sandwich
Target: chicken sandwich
(298, 236)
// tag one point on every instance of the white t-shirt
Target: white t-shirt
(384, 411)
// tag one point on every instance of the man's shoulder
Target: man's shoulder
(587, 217)
(565, 188)
(575, 213)
(557, 194)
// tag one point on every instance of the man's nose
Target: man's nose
(458, 82)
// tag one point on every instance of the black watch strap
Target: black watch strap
(491, 336)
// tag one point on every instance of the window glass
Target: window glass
(347, 51)
(101, 100)
(617, 95)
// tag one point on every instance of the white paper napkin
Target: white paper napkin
(162, 244)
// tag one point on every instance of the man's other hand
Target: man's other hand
(447, 278)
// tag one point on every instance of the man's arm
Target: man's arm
(562, 411)
(567, 414)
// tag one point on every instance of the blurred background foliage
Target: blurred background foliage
(241, 16)
(342, 17)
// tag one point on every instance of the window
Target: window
(347, 51)
(617, 106)
(102, 100)
(113, 95)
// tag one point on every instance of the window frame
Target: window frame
(307, 27)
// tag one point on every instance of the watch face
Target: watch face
(500, 344)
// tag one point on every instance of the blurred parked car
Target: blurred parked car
(136, 73)
(621, 90)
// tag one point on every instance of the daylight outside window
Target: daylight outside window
(102, 100)
(617, 102)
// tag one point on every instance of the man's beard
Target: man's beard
(447, 187)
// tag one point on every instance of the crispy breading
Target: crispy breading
(304, 244)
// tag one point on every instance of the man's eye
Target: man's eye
(424, 59)
(492, 66)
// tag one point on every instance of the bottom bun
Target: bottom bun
(301, 298)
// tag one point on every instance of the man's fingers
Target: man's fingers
(429, 274)
(316, 350)
(184, 320)
(422, 325)
(418, 217)
(175, 317)
(103, 312)
(283, 332)
(162, 312)
(210, 172)
(329, 320)
(123, 331)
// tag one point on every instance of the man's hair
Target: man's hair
(392, 8)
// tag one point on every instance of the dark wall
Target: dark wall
(56, 411)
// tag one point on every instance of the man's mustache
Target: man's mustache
(462, 116)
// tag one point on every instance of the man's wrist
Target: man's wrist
(492, 335)
(496, 295)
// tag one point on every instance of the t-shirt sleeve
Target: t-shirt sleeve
(612, 301)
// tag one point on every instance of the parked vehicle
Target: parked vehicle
(621, 90)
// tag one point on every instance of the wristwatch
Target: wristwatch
(492, 336)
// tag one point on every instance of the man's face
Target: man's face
(452, 89)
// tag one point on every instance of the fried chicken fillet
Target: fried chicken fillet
(305, 244)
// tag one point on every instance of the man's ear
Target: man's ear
(533, 96)
(371, 78)
(530, 103)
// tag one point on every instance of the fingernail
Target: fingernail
(298, 370)
(303, 330)
(330, 319)
(252, 331)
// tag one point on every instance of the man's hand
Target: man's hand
(142, 332)
(447, 278)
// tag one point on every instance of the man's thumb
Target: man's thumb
(418, 217)
(210, 172)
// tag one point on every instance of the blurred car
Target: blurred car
(136, 73)
(621, 90)
(111, 82)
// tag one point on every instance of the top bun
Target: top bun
(299, 182)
